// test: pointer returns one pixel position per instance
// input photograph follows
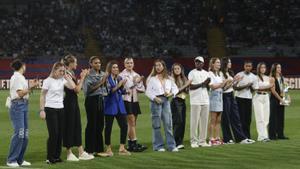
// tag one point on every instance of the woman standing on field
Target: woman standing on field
(19, 95)
(72, 122)
(52, 109)
(159, 88)
(178, 105)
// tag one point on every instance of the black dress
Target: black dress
(72, 119)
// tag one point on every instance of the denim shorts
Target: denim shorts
(215, 101)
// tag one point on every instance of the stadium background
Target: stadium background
(41, 32)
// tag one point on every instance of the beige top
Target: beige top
(132, 88)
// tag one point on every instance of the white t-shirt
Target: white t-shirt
(200, 95)
(230, 89)
(246, 79)
(262, 84)
(215, 79)
(55, 92)
(17, 82)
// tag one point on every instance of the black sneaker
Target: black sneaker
(142, 146)
(283, 138)
(51, 161)
(58, 160)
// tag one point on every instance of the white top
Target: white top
(200, 95)
(132, 88)
(17, 82)
(215, 79)
(55, 92)
(246, 78)
(262, 84)
(230, 89)
(156, 88)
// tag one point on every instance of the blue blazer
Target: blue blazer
(113, 102)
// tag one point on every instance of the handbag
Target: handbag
(8, 102)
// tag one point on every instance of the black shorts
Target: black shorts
(132, 108)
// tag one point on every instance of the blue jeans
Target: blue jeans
(162, 112)
(19, 141)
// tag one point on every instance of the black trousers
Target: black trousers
(230, 120)
(276, 123)
(178, 108)
(54, 120)
(245, 110)
(122, 122)
(95, 124)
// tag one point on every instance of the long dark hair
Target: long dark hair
(182, 75)
(225, 69)
(274, 70)
(110, 65)
(259, 65)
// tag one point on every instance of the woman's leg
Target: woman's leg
(156, 112)
(167, 122)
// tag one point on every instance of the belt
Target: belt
(262, 93)
(21, 100)
(161, 95)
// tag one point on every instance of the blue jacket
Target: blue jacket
(113, 102)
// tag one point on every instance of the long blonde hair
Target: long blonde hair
(182, 75)
(211, 66)
(56, 66)
(164, 72)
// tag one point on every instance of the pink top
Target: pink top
(132, 88)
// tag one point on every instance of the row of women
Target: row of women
(114, 95)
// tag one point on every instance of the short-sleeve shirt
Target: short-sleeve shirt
(55, 92)
(18, 82)
(246, 79)
(198, 96)
(215, 79)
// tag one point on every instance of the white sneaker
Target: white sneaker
(180, 146)
(204, 145)
(161, 150)
(194, 145)
(26, 163)
(250, 140)
(86, 156)
(230, 142)
(247, 141)
(13, 164)
(175, 149)
(72, 157)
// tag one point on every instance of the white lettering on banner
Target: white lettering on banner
(5, 83)
(293, 82)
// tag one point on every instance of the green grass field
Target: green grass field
(273, 155)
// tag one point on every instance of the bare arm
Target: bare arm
(70, 83)
(202, 85)
(120, 84)
(99, 84)
(32, 84)
(78, 87)
(42, 104)
(238, 88)
(273, 91)
(219, 85)
(185, 86)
